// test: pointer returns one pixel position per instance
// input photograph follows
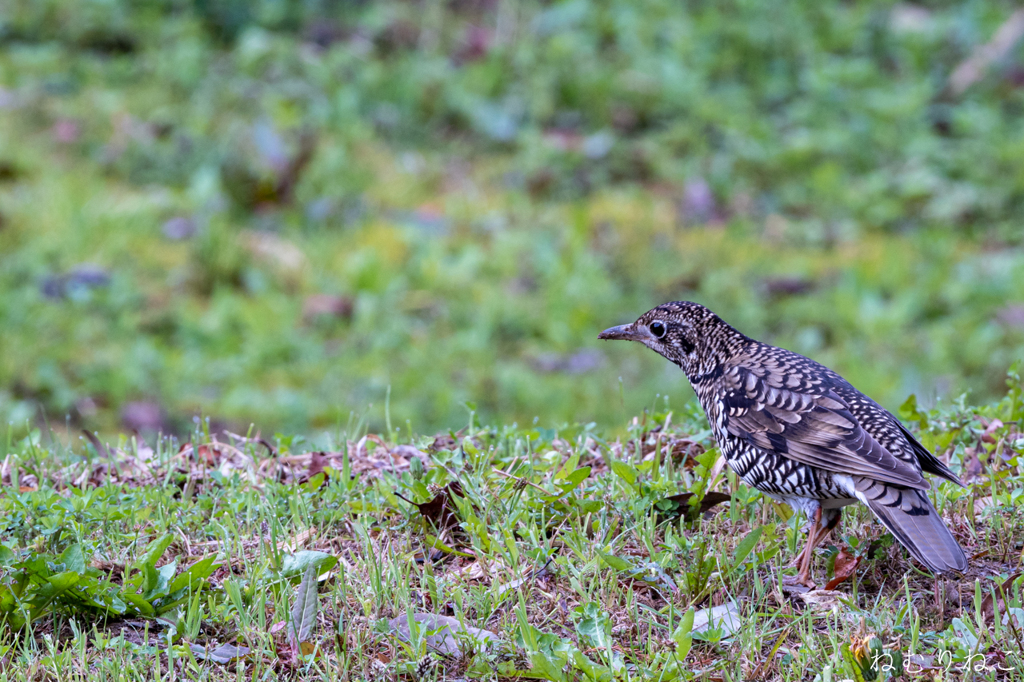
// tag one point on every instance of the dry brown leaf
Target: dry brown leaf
(474, 571)
(440, 511)
(823, 600)
(988, 605)
(297, 542)
(845, 567)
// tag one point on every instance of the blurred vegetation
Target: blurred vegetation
(281, 212)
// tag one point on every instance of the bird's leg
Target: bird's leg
(813, 538)
(828, 528)
(818, 537)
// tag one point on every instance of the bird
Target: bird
(800, 433)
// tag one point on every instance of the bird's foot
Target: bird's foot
(798, 579)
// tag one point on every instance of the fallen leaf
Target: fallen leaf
(224, 654)
(823, 600)
(407, 452)
(917, 663)
(444, 441)
(442, 632)
(845, 566)
(473, 571)
(298, 542)
(317, 462)
(440, 511)
(987, 436)
(685, 451)
(1001, 592)
(972, 465)
(725, 619)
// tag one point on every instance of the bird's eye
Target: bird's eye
(657, 328)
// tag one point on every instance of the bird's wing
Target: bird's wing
(779, 408)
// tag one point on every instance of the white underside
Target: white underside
(809, 506)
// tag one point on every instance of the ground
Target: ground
(231, 557)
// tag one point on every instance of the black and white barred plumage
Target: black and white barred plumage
(800, 433)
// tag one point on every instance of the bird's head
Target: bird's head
(685, 333)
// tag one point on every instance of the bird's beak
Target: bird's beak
(626, 332)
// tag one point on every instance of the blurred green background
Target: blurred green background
(276, 211)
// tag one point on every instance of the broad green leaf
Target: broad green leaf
(140, 604)
(548, 653)
(585, 506)
(746, 546)
(304, 610)
(50, 591)
(11, 615)
(164, 575)
(296, 564)
(543, 667)
(73, 558)
(194, 575)
(154, 551)
(618, 563)
(150, 577)
(592, 670)
(683, 636)
(573, 481)
(314, 483)
(624, 471)
(595, 625)
(36, 566)
(569, 467)
(910, 412)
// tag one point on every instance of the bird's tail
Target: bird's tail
(910, 516)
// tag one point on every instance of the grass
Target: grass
(361, 222)
(283, 213)
(142, 561)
